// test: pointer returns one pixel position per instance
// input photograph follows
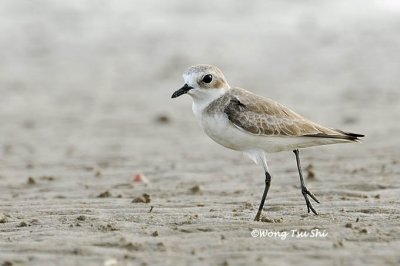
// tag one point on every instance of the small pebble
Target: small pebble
(310, 171)
(22, 224)
(105, 194)
(248, 205)
(81, 218)
(338, 244)
(162, 119)
(31, 181)
(268, 220)
(3, 219)
(48, 178)
(348, 225)
(196, 189)
(145, 198)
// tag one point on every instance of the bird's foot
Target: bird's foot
(307, 193)
(257, 218)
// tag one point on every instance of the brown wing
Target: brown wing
(262, 116)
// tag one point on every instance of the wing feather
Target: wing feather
(261, 116)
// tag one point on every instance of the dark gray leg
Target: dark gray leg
(266, 188)
(304, 189)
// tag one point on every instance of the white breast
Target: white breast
(220, 129)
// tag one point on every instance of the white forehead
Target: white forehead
(190, 79)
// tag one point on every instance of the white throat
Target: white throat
(202, 98)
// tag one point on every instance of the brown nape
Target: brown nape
(218, 84)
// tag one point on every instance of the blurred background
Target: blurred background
(73, 73)
(85, 106)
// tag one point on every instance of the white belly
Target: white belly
(221, 130)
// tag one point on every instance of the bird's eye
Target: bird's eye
(207, 78)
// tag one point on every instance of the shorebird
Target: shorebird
(246, 122)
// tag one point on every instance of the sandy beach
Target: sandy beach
(99, 166)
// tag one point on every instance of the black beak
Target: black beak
(181, 91)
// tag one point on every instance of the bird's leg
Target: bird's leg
(304, 189)
(266, 188)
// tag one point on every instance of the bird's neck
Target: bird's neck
(202, 100)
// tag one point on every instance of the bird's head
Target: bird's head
(203, 82)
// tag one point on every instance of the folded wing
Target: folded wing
(264, 117)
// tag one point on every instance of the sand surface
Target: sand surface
(85, 108)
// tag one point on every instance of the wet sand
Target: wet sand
(88, 127)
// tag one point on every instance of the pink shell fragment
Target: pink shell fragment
(140, 178)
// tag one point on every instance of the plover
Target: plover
(243, 121)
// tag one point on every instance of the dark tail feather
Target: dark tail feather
(341, 135)
(350, 136)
